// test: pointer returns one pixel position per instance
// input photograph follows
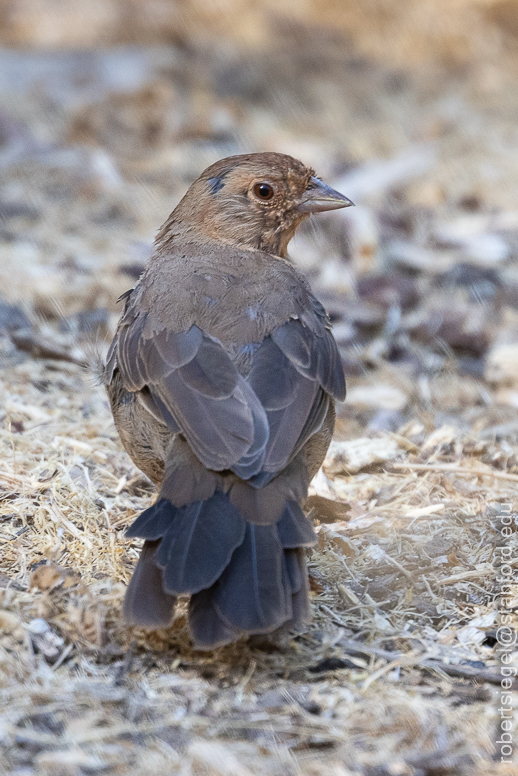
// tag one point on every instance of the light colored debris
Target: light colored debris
(363, 230)
(507, 397)
(339, 542)
(351, 457)
(215, 759)
(377, 176)
(386, 397)
(48, 643)
(431, 509)
(502, 366)
(476, 471)
(35, 413)
(444, 435)
(8, 622)
(68, 763)
(472, 234)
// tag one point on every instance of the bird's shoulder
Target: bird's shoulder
(234, 295)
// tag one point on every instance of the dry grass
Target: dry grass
(407, 577)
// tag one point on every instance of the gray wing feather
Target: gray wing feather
(254, 425)
(314, 355)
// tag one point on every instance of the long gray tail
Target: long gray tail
(243, 578)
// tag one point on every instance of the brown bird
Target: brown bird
(222, 378)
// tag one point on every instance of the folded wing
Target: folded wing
(254, 423)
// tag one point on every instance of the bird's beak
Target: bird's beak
(321, 197)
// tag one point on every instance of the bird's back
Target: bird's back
(236, 295)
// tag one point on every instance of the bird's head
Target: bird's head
(253, 200)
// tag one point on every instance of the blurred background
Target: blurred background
(109, 110)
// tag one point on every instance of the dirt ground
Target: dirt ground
(398, 673)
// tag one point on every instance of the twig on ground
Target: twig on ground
(447, 467)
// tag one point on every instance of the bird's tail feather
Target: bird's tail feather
(146, 603)
(242, 577)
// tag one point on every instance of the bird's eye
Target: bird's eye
(263, 191)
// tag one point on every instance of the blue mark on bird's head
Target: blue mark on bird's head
(217, 183)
